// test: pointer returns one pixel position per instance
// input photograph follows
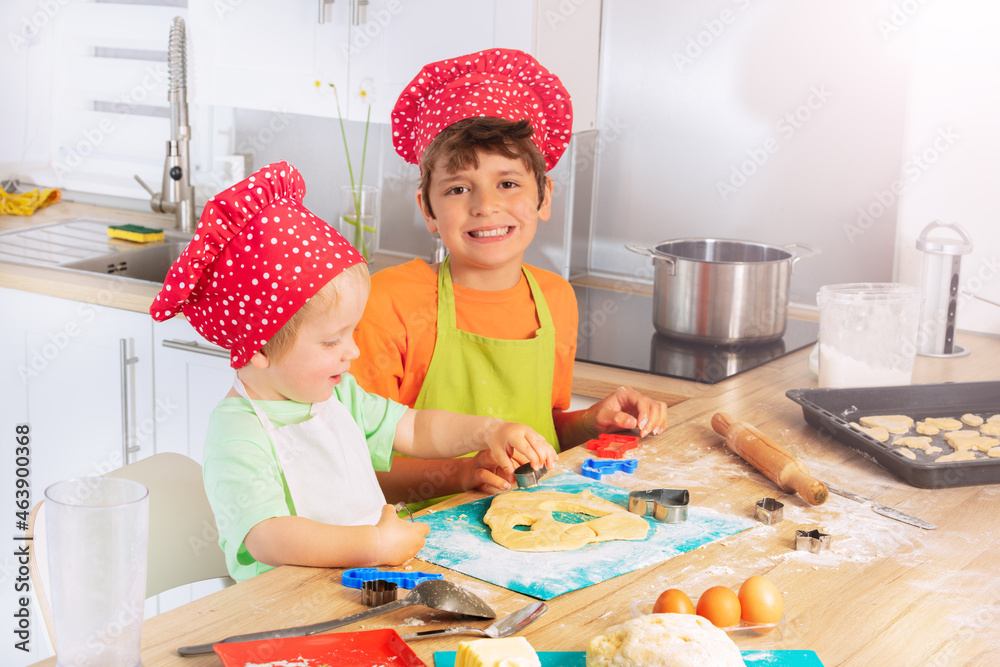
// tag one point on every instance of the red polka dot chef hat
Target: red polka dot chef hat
(256, 257)
(502, 83)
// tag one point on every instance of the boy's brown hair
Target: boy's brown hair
(328, 296)
(458, 146)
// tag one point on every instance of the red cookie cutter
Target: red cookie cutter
(612, 445)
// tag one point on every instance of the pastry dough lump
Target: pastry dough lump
(546, 533)
(664, 640)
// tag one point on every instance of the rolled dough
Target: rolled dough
(664, 640)
(524, 508)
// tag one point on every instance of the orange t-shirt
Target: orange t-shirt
(399, 328)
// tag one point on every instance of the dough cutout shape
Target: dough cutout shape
(968, 440)
(664, 640)
(546, 533)
(917, 442)
(972, 420)
(876, 432)
(944, 423)
(923, 428)
(907, 453)
(965, 455)
(891, 423)
(991, 429)
(994, 453)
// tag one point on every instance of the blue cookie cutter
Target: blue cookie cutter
(595, 469)
(354, 578)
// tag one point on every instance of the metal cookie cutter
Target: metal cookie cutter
(812, 541)
(526, 477)
(377, 592)
(769, 511)
(595, 469)
(400, 506)
(663, 505)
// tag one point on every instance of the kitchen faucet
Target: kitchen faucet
(177, 193)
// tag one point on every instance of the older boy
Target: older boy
(483, 333)
(292, 449)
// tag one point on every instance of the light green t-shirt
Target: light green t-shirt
(243, 478)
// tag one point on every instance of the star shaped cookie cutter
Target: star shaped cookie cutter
(812, 541)
(526, 477)
(612, 445)
(663, 505)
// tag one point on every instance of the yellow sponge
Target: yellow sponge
(136, 233)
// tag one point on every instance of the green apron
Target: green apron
(476, 375)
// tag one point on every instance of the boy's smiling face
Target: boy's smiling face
(323, 350)
(486, 217)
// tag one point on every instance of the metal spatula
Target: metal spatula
(436, 594)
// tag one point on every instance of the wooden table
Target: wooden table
(885, 594)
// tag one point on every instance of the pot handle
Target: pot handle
(650, 252)
(804, 250)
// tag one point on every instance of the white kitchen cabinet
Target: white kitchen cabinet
(268, 56)
(192, 376)
(80, 375)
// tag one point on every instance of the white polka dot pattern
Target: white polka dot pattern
(256, 257)
(502, 83)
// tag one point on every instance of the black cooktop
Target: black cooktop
(616, 329)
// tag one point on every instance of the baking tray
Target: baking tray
(832, 410)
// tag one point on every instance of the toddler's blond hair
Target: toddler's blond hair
(328, 296)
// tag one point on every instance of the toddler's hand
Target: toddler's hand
(484, 473)
(399, 540)
(510, 439)
(627, 409)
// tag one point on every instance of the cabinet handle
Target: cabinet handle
(199, 348)
(359, 12)
(125, 362)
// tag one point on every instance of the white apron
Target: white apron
(326, 464)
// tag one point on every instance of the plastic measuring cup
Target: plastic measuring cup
(96, 535)
(867, 334)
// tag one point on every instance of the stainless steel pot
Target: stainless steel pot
(722, 291)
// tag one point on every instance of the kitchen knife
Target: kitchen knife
(770, 458)
(884, 510)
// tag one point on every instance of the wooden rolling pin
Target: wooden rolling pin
(770, 458)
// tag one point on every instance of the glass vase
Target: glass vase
(361, 231)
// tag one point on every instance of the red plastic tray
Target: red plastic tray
(342, 649)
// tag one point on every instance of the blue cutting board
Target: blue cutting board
(579, 659)
(460, 541)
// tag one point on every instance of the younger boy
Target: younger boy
(292, 449)
(483, 333)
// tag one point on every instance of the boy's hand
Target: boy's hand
(510, 439)
(625, 410)
(483, 473)
(399, 540)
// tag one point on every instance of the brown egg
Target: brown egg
(673, 601)
(760, 601)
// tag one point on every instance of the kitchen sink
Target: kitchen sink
(150, 263)
(83, 245)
